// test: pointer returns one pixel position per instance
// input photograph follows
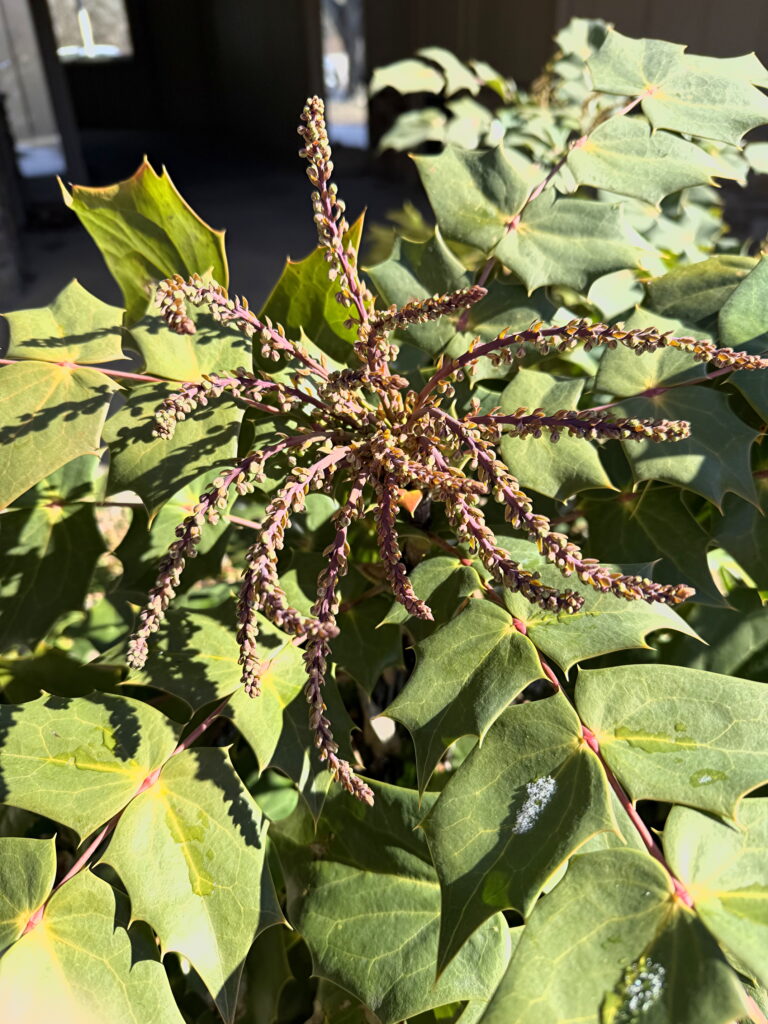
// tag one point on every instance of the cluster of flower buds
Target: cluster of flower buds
(365, 429)
(587, 424)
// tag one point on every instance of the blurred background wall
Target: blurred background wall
(212, 87)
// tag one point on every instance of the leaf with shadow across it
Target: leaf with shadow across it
(364, 895)
(76, 327)
(80, 959)
(213, 348)
(51, 414)
(208, 892)
(156, 468)
(27, 873)
(79, 760)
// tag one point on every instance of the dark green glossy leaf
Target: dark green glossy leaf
(544, 795)
(444, 582)
(366, 900)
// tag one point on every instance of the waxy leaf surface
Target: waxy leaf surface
(677, 734)
(27, 871)
(191, 851)
(80, 760)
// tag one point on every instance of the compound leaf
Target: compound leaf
(77, 961)
(622, 155)
(146, 232)
(80, 760)
(366, 900)
(191, 851)
(678, 734)
(569, 242)
(678, 91)
(524, 800)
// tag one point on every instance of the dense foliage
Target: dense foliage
(531, 814)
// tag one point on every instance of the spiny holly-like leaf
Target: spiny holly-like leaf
(50, 550)
(213, 348)
(737, 637)
(625, 952)
(603, 624)
(146, 232)
(80, 760)
(413, 127)
(196, 658)
(407, 76)
(466, 673)
(726, 872)
(678, 734)
(650, 525)
(746, 68)
(622, 155)
(443, 582)
(557, 470)
(457, 75)
(743, 532)
(27, 871)
(677, 93)
(191, 851)
(79, 961)
(622, 374)
(366, 645)
(304, 299)
(474, 193)
(544, 794)
(715, 459)
(418, 270)
(76, 327)
(692, 293)
(155, 468)
(50, 414)
(366, 900)
(569, 242)
(741, 320)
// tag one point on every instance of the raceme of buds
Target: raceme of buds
(367, 435)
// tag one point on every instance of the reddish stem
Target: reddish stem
(85, 857)
(660, 389)
(644, 832)
(100, 369)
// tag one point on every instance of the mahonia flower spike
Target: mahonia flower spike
(367, 429)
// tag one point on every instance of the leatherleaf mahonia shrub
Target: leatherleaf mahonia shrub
(398, 652)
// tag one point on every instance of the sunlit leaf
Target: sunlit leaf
(678, 734)
(27, 871)
(208, 892)
(80, 760)
(146, 232)
(78, 961)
